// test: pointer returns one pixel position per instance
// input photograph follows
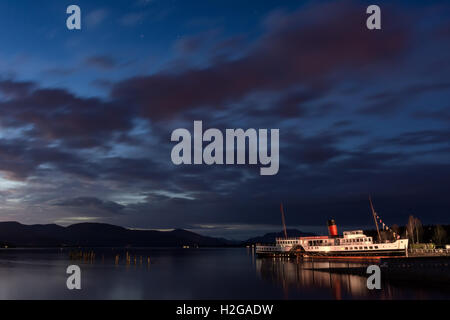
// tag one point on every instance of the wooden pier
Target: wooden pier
(428, 252)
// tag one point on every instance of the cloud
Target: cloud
(92, 202)
(57, 114)
(423, 137)
(57, 71)
(132, 19)
(294, 50)
(11, 89)
(144, 3)
(439, 115)
(96, 17)
(389, 101)
(101, 62)
(194, 43)
(305, 72)
(20, 159)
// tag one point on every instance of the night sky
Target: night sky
(86, 116)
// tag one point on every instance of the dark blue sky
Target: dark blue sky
(86, 116)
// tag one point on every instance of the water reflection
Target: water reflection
(300, 275)
(295, 276)
(214, 273)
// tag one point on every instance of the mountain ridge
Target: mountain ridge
(94, 234)
(90, 234)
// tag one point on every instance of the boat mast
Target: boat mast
(375, 218)
(283, 221)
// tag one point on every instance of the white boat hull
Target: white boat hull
(396, 248)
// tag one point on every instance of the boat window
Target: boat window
(365, 248)
(370, 247)
(376, 247)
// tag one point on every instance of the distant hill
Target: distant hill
(15, 234)
(270, 237)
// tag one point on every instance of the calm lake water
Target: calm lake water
(223, 273)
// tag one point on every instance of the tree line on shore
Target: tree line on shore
(417, 233)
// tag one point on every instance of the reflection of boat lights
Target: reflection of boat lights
(300, 278)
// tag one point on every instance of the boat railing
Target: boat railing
(265, 244)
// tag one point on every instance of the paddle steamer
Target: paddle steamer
(351, 243)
